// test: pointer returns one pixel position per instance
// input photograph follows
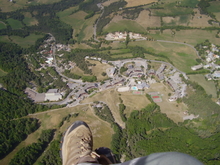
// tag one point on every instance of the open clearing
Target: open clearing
(15, 24)
(120, 24)
(99, 69)
(133, 102)
(148, 21)
(209, 86)
(107, 3)
(83, 29)
(78, 71)
(111, 98)
(29, 20)
(2, 73)
(173, 110)
(4, 39)
(182, 56)
(132, 3)
(7, 6)
(2, 25)
(27, 41)
(191, 37)
(170, 9)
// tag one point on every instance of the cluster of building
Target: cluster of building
(123, 36)
(210, 63)
(50, 95)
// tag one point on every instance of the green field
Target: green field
(4, 39)
(2, 25)
(182, 56)
(170, 9)
(15, 24)
(192, 37)
(209, 86)
(29, 20)
(82, 29)
(124, 25)
(214, 7)
(7, 6)
(2, 73)
(27, 41)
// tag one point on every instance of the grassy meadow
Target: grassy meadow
(2, 25)
(27, 41)
(82, 29)
(209, 86)
(29, 20)
(15, 24)
(123, 25)
(182, 56)
(192, 37)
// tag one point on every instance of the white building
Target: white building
(196, 67)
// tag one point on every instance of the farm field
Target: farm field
(130, 101)
(29, 20)
(4, 39)
(183, 57)
(82, 29)
(2, 25)
(15, 24)
(119, 24)
(170, 9)
(192, 37)
(126, 55)
(131, 3)
(27, 41)
(209, 86)
(148, 21)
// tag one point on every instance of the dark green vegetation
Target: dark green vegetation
(149, 131)
(106, 16)
(12, 132)
(201, 103)
(28, 155)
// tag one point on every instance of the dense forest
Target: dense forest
(12, 132)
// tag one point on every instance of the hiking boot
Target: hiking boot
(77, 145)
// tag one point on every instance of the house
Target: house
(81, 93)
(196, 67)
(216, 74)
(151, 72)
(49, 60)
(52, 95)
(161, 69)
(172, 84)
(104, 61)
(160, 76)
(111, 72)
(208, 76)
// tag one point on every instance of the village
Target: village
(210, 62)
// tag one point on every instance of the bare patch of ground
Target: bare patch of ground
(111, 98)
(99, 69)
(132, 3)
(107, 3)
(148, 21)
